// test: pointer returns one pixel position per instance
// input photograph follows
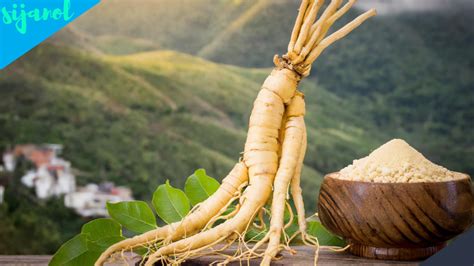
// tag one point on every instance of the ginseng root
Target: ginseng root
(272, 159)
(290, 160)
(258, 192)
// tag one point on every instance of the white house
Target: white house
(49, 181)
(52, 176)
(91, 200)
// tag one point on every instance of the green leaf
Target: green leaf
(229, 209)
(103, 232)
(85, 248)
(141, 251)
(199, 186)
(325, 238)
(170, 203)
(136, 216)
(77, 251)
(254, 235)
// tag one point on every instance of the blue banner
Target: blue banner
(26, 23)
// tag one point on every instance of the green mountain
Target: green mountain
(410, 73)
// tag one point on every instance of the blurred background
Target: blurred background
(139, 91)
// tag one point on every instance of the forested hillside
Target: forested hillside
(410, 73)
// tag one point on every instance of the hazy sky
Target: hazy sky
(396, 6)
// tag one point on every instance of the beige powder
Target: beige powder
(396, 161)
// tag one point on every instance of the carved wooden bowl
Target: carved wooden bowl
(398, 221)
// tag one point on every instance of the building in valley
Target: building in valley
(52, 176)
(90, 201)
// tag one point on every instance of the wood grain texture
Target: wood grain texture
(304, 256)
(33, 260)
(402, 221)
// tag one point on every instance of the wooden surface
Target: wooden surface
(304, 256)
(396, 220)
(24, 260)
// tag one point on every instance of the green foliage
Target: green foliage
(103, 232)
(155, 20)
(86, 247)
(32, 226)
(325, 238)
(96, 236)
(199, 186)
(254, 234)
(170, 203)
(76, 251)
(136, 216)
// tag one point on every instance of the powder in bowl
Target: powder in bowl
(397, 162)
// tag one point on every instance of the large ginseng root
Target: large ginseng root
(273, 157)
(292, 155)
(263, 165)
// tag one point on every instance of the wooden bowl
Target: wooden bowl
(396, 221)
